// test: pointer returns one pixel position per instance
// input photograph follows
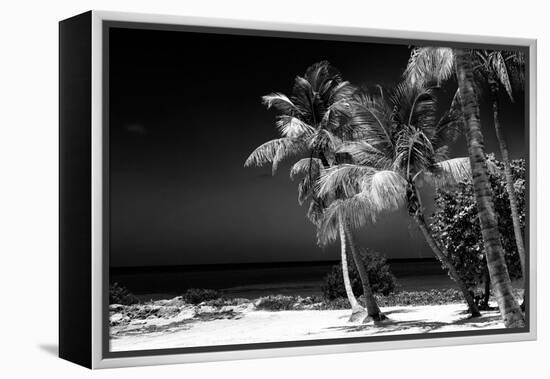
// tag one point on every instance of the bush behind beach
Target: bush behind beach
(381, 279)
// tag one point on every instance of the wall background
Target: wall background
(28, 205)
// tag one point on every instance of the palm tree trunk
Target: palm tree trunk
(357, 311)
(487, 291)
(373, 311)
(500, 279)
(509, 179)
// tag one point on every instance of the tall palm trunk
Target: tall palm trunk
(357, 311)
(500, 279)
(509, 179)
(415, 210)
(373, 311)
(487, 291)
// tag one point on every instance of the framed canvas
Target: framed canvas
(237, 189)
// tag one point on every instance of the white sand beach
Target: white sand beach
(192, 328)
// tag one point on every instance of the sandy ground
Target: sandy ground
(250, 326)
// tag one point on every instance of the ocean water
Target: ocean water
(254, 280)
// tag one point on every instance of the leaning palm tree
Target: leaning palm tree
(435, 65)
(496, 67)
(310, 124)
(498, 271)
(311, 168)
(336, 222)
(405, 143)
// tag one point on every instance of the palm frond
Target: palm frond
(287, 150)
(336, 115)
(341, 91)
(305, 166)
(450, 172)
(347, 178)
(325, 141)
(319, 73)
(429, 65)
(305, 189)
(303, 96)
(415, 106)
(327, 90)
(423, 112)
(293, 127)
(329, 222)
(280, 102)
(371, 121)
(413, 152)
(363, 153)
(356, 211)
(401, 99)
(515, 61)
(315, 211)
(498, 65)
(264, 153)
(387, 190)
(274, 152)
(450, 125)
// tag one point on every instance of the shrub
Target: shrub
(380, 277)
(416, 298)
(334, 304)
(198, 295)
(276, 303)
(402, 298)
(456, 222)
(120, 295)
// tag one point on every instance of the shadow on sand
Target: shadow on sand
(176, 326)
(392, 326)
(401, 310)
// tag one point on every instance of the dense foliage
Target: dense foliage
(198, 295)
(119, 294)
(456, 222)
(276, 303)
(380, 277)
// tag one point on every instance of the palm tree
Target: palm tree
(498, 271)
(339, 225)
(403, 143)
(435, 65)
(310, 122)
(494, 66)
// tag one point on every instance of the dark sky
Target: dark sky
(185, 113)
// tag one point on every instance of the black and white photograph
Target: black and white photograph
(292, 189)
(272, 189)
